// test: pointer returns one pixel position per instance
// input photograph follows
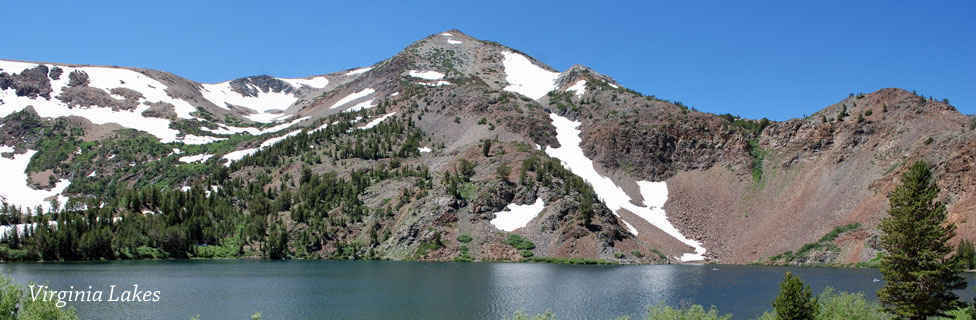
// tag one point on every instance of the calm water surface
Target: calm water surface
(236, 289)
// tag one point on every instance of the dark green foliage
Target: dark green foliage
(464, 238)
(843, 113)
(794, 300)
(586, 209)
(758, 155)
(503, 171)
(965, 255)
(659, 254)
(929, 141)
(486, 148)
(916, 236)
(884, 108)
(16, 302)
(830, 236)
(519, 242)
(636, 253)
(825, 244)
(868, 113)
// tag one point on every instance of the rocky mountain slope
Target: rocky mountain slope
(453, 149)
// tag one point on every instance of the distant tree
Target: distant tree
(919, 279)
(503, 172)
(842, 114)
(795, 301)
(586, 209)
(884, 108)
(965, 253)
(486, 147)
(823, 118)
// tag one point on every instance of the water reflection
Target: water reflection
(236, 289)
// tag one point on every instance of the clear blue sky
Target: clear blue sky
(778, 59)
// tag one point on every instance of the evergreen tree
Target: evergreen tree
(965, 252)
(486, 148)
(795, 301)
(916, 237)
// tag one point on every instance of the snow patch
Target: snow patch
(613, 85)
(377, 121)
(654, 193)
(452, 41)
(195, 158)
(447, 34)
(358, 71)
(516, 216)
(314, 82)
(579, 87)
(527, 78)
(15, 189)
(239, 154)
(428, 75)
(222, 95)
(231, 130)
(353, 96)
(423, 149)
(361, 106)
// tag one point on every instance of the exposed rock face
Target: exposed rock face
(88, 97)
(160, 110)
(77, 79)
(250, 86)
(55, 73)
(31, 82)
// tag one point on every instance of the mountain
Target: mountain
(453, 149)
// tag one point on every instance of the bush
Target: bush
(17, 302)
(695, 312)
(464, 238)
(844, 305)
(521, 315)
(519, 242)
(637, 253)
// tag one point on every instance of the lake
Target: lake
(236, 289)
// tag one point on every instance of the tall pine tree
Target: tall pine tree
(795, 302)
(919, 277)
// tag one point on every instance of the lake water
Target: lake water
(236, 289)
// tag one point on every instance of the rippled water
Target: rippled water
(236, 289)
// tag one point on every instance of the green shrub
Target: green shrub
(16, 303)
(464, 238)
(637, 253)
(659, 254)
(519, 242)
(527, 254)
(695, 312)
(521, 315)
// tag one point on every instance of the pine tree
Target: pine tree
(795, 301)
(919, 277)
(965, 252)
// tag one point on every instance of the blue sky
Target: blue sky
(778, 59)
